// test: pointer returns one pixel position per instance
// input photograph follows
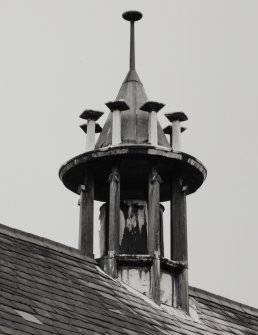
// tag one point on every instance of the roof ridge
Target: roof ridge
(44, 242)
(218, 299)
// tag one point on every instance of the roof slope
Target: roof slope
(48, 288)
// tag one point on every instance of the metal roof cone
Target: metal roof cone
(134, 122)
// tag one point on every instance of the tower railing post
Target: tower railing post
(116, 107)
(176, 129)
(85, 127)
(169, 131)
(152, 108)
(91, 116)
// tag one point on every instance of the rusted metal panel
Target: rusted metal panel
(133, 227)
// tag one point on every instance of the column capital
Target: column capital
(90, 114)
(152, 106)
(119, 105)
(155, 177)
(81, 188)
(114, 176)
(176, 116)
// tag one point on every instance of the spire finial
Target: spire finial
(132, 16)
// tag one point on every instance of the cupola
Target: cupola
(132, 169)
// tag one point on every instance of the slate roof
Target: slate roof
(48, 288)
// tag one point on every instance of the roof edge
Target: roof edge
(199, 293)
(44, 242)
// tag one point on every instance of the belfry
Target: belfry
(132, 169)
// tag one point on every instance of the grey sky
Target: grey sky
(200, 56)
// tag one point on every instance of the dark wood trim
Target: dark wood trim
(183, 290)
(86, 215)
(179, 250)
(154, 212)
(134, 260)
(113, 221)
(178, 222)
(191, 170)
(172, 266)
(114, 210)
(154, 231)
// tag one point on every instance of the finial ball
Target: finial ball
(132, 15)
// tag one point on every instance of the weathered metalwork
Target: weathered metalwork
(134, 168)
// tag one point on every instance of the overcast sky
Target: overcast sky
(201, 56)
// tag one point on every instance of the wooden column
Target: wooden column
(114, 220)
(154, 231)
(86, 215)
(179, 238)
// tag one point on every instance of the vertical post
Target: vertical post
(171, 136)
(179, 238)
(153, 128)
(114, 220)
(132, 16)
(90, 137)
(86, 215)
(154, 231)
(132, 47)
(90, 128)
(152, 107)
(116, 107)
(176, 135)
(169, 130)
(176, 129)
(116, 128)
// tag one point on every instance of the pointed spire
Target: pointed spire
(132, 16)
(134, 122)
